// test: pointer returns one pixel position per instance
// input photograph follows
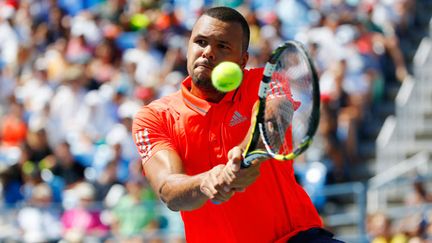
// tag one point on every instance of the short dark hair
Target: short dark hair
(227, 14)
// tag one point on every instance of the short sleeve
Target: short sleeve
(150, 133)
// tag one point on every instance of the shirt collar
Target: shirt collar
(197, 104)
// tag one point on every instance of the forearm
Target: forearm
(182, 192)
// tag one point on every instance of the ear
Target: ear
(244, 59)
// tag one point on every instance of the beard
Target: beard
(203, 82)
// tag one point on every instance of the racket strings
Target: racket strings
(288, 103)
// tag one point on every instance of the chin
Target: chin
(203, 82)
(202, 73)
(202, 77)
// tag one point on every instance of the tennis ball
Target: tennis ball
(226, 76)
(139, 21)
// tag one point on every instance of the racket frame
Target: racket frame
(251, 153)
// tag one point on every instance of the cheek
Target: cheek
(190, 63)
(193, 52)
(191, 56)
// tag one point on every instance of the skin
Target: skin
(212, 41)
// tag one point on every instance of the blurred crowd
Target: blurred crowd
(73, 74)
(412, 225)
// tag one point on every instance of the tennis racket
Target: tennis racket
(287, 114)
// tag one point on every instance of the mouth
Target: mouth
(204, 65)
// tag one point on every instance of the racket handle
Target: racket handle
(247, 161)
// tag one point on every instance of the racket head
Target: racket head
(288, 109)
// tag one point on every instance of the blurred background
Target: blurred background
(74, 72)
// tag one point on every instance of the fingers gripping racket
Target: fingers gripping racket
(287, 113)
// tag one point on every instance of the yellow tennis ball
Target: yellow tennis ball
(227, 76)
(139, 21)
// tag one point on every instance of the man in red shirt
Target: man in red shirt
(191, 148)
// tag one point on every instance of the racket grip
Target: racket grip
(247, 161)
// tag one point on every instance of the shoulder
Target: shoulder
(253, 73)
(159, 106)
(158, 112)
(251, 79)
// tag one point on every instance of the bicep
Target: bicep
(160, 166)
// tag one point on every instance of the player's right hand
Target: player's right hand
(214, 185)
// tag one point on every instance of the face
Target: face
(213, 41)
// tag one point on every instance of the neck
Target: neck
(212, 96)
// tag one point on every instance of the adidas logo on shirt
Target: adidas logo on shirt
(236, 119)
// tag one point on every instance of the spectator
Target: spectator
(7, 86)
(147, 61)
(102, 68)
(420, 194)
(66, 167)
(379, 229)
(78, 51)
(120, 133)
(36, 90)
(106, 180)
(83, 220)
(135, 213)
(96, 116)
(8, 37)
(37, 146)
(13, 128)
(11, 181)
(67, 103)
(40, 219)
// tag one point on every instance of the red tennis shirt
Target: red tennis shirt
(273, 208)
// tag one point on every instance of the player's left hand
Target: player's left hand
(236, 178)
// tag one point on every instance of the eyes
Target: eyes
(201, 43)
(220, 45)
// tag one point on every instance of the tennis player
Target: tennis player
(191, 148)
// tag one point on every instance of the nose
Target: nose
(208, 52)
